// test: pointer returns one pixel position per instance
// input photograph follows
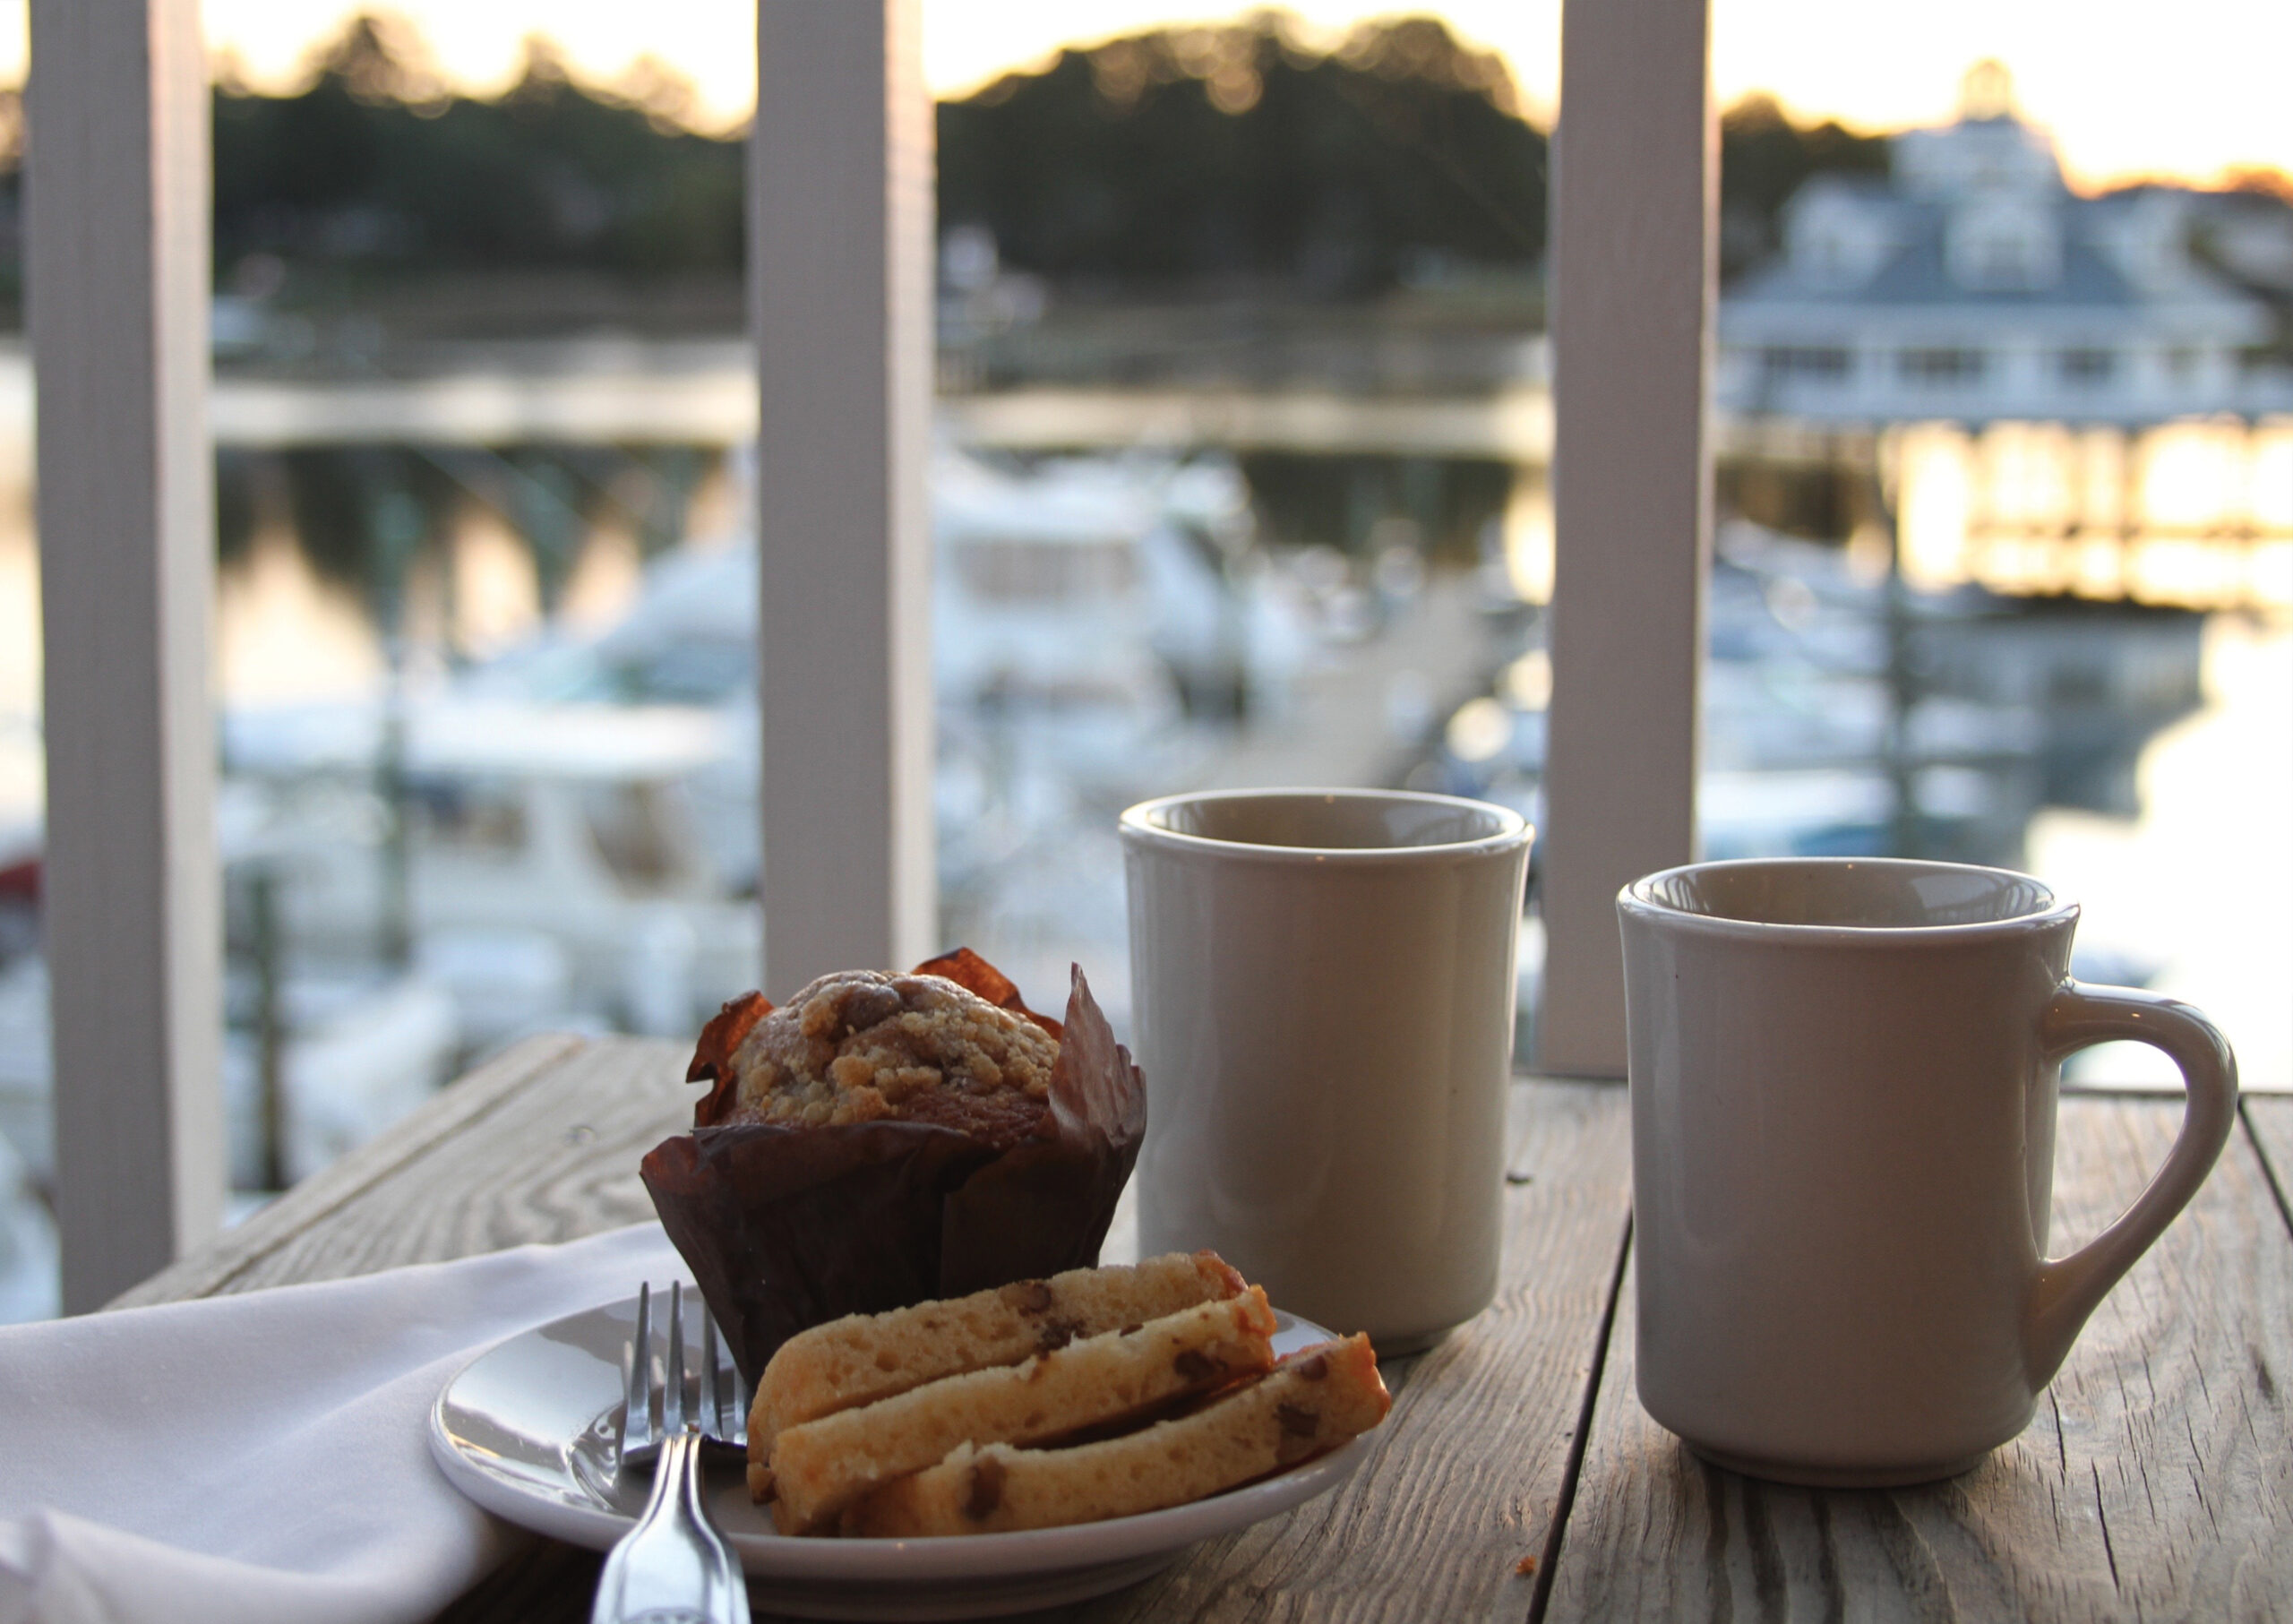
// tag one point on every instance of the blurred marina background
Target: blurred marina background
(1241, 476)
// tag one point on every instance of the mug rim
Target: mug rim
(1639, 898)
(1513, 830)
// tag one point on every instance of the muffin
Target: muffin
(864, 1046)
(884, 1139)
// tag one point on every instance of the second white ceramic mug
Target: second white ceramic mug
(1323, 1001)
(1843, 1076)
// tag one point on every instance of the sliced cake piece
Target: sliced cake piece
(865, 1357)
(1310, 1403)
(821, 1466)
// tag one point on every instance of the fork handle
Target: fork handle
(675, 1566)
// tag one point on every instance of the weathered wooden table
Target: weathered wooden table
(1519, 1478)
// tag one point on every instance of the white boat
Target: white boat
(1085, 610)
(554, 865)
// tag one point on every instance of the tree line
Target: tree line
(1217, 157)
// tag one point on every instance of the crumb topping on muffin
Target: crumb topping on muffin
(862, 1045)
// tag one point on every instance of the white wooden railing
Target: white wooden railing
(840, 188)
(840, 303)
(116, 281)
(1636, 188)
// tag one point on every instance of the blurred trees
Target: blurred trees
(1187, 154)
(1234, 153)
(1224, 156)
(376, 162)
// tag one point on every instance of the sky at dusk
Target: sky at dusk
(2127, 87)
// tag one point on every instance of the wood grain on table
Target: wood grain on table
(2156, 1482)
(540, 1144)
(2269, 1119)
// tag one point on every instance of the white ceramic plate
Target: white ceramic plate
(526, 1430)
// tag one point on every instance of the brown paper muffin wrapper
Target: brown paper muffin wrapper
(788, 1227)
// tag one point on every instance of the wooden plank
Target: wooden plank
(840, 281)
(2270, 1120)
(2157, 1480)
(552, 1156)
(117, 273)
(236, 1259)
(1634, 185)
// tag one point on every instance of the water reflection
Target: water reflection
(2197, 890)
(2197, 512)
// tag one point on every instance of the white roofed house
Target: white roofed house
(1975, 285)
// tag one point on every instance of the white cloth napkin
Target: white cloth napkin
(265, 1458)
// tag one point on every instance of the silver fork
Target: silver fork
(675, 1566)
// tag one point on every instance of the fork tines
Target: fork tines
(712, 1405)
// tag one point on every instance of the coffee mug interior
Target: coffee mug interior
(1331, 821)
(1874, 894)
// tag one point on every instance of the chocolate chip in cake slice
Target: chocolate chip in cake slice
(986, 1490)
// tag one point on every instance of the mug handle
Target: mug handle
(2069, 1289)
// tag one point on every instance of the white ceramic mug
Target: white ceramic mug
(1843, 1077)
(1322, 987)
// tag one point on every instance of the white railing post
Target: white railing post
(1635, 184)
(840, 304)
(116, 278)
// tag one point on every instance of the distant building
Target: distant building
(1974, 285)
